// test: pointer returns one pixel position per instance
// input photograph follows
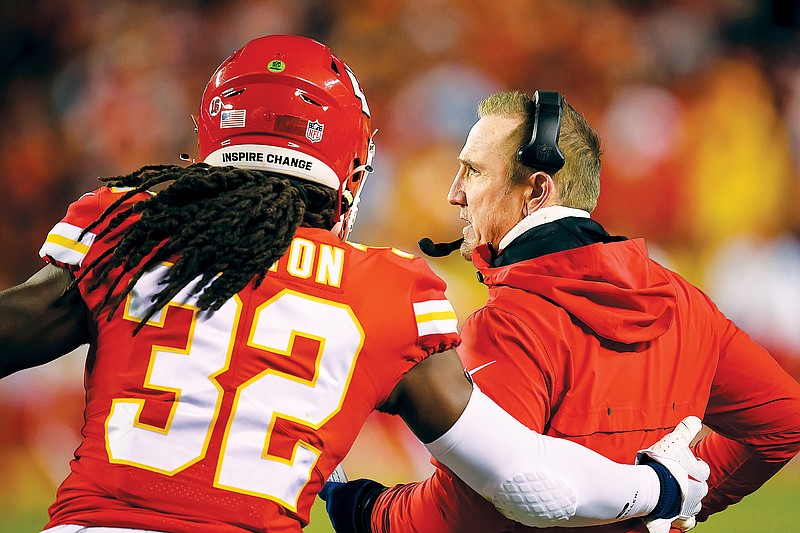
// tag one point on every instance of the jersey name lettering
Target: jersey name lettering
(306, 258)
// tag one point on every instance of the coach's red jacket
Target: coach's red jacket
(584, 337)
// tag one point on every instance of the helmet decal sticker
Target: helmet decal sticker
(357, 91)
(314, 131)
(276, 65)
(291, 125)
(233, 118)
(215, 106)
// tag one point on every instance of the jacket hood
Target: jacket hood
(613, 288)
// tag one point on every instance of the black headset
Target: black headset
(542, 153)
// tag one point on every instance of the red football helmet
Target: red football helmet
(286, 104)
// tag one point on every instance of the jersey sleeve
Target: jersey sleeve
(754, 412)
(408, 317)
(436, 320)
(64, 245)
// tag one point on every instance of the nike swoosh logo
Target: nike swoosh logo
(471, 372)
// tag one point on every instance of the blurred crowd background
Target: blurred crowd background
(697, 103)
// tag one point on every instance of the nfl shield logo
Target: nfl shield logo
(543, 152)
(314, 131)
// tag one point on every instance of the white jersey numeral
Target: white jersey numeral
(244, 464)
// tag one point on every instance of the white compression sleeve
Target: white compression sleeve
(538, 480)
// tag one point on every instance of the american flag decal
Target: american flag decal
(233, 118)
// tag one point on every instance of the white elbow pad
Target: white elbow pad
(535, 499)
(537, 480)
(490, 451)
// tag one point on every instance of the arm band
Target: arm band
(537, 480)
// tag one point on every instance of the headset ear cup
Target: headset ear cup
(542, 152)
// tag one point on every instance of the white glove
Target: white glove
(692, 473)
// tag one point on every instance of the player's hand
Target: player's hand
(349, 505)
(692, 473)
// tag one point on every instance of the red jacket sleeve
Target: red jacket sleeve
(754, 412)
(442, 503)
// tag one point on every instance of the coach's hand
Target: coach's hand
(691, 473)
(349, 505)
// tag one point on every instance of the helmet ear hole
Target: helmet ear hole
(356, 177)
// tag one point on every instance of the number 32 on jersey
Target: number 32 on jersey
(244, 465)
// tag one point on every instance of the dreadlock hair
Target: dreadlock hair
(225, 225)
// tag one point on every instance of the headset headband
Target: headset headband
(542, 152)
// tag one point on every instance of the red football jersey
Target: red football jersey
(231, 421)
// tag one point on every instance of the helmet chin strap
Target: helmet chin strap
(350, 215)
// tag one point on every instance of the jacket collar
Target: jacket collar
(557, 235)
(539, 217)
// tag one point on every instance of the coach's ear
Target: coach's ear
(541, 192)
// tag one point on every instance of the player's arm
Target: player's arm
(491, 451)
(754, 412)
(39, 322)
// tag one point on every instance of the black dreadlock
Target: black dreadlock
(226, 225)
